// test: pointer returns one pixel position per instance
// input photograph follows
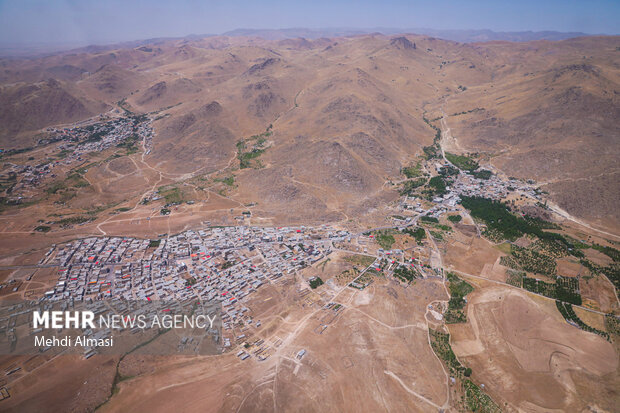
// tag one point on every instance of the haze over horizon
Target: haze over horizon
(91, 22)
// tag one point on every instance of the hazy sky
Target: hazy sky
(97, 21)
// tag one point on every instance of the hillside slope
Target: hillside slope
(345, 114)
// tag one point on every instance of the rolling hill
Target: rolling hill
(345, 114)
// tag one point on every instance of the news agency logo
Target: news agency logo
(111, 327)
(86, 319)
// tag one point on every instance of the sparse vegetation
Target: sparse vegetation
(467, 111)
(172, 195)
(18, 151)
(515, 277)
(125, 106)
(367, 277)
(440, 342)
(474, 398)
(612, 253)
(246, 157)
(612, 324)
(433, 151)
(76, 180)
(55, 187)
(251, 148)
(84, 168)
(611, 271)
(443, 227)
(229, 180)
(361, 260)
(73, 220)
(130, 144)
(323, 264)
(478, 401)
(437, 235)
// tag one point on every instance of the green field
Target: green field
(458, 290)
(565, 289)
(455, 218)
(482, 174)
(409, 186)
(385, 238)
(412, 171)
(418, 233)
(462, 162)
(172, 195)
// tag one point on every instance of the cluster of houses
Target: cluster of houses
(223, 265)
(468, 184)
(75, 143)
(494, 187)
(100, 136)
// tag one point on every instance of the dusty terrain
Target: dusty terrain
(309, 132)
(373, 349)
(345, 114)
(528, 354)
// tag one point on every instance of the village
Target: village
(227, 265)
(464, 183)
(73, 144)
(223, 265)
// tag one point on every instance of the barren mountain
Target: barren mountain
(552, 117)
(31, 106)
(346, 113)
